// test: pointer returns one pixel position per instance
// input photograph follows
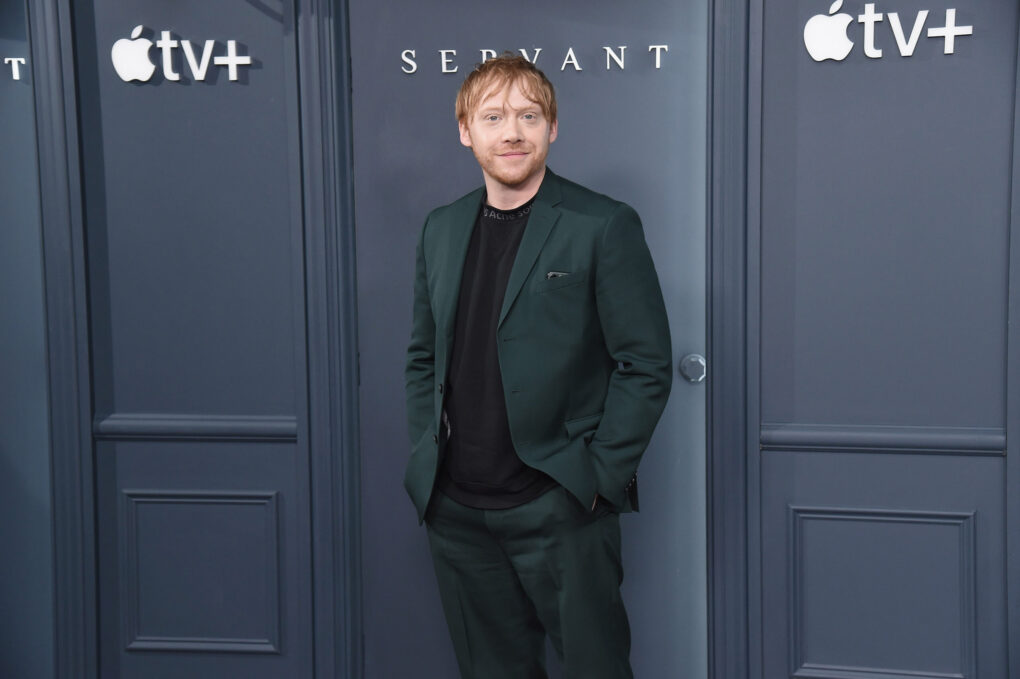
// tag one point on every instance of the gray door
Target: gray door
(197, 315)
(635, 131)
(883, 330)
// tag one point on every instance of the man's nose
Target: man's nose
(512, 130)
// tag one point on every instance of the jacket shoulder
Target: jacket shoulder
(584, 201)
(444, 213)
(590, 210)
(442, 219)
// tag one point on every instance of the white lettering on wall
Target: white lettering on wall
(15, 63)
(949, 32)
(166, 46)
(610, 54)
(446, 56)
(659, 49)
(232, 60)
(198, 68)
(533, 58)
(869, 19)
(410, 65)
(905, 46)
(570, 59)
(615, 56)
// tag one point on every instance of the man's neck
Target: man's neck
(503, 197)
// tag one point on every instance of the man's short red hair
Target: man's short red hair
(499, 73)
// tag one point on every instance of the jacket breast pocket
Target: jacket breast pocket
(560, 279)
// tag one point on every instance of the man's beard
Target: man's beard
(512, 176)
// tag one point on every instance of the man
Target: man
(539, 365)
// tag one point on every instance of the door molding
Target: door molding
(331, 294)
(729, 608)
(74, 576)
(1013, 400)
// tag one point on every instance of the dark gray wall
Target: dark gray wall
(638, 135)
(26, 569)
(882, 234)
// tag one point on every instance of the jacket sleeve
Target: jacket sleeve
(633, 319)
(419, 372)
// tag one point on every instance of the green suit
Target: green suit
(583, 342)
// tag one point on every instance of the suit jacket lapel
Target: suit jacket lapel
(458, 236)
(540, 223)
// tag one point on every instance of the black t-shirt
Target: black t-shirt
(481, 468)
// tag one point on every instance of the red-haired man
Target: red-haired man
(538, 367)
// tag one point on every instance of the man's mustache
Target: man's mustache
(515, 148)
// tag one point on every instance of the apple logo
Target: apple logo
(131, 57)
(825, 36)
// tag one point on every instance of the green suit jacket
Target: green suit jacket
(584, 357)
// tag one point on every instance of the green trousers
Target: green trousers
(509, 577)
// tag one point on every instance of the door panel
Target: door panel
(636, 133)
(194, 238)
(202, 547)
(884, 564)
(883, 243)
(885, 223)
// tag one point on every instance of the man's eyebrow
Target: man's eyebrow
(505, 106)
(530, 106)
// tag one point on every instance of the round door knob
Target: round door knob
(693, 367)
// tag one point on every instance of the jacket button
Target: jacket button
(440, 388)
(435, 438)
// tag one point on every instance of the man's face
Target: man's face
(509, 136)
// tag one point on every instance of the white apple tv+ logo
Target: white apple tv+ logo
(825, 35)
(131, 57)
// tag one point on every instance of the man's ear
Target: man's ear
(465, 134)
(553, 130)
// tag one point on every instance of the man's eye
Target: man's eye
(530, 116)
(492, 118)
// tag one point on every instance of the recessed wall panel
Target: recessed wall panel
(882, 565)
(885, 214)
(882, 591)
(192, 220)
(200, 570)
(203, 559)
